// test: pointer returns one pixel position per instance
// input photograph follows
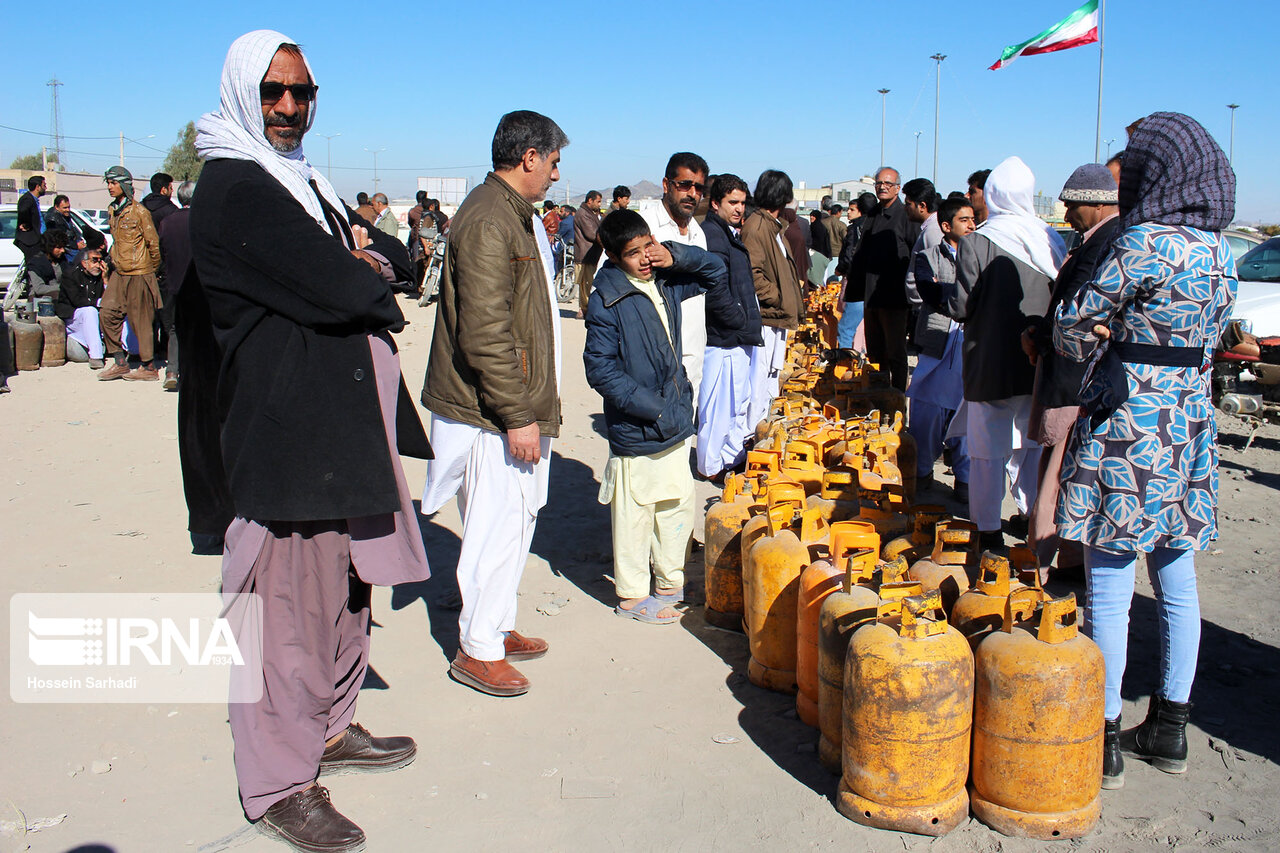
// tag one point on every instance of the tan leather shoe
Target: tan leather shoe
(360, 751)
(523, 648)
(115, 371)
(142, 373)
(308, 821)
(495, 677)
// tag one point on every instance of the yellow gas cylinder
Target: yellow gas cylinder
(980, 611)
(955, 552)
(771, 594)
(839, 498)
(777, 492)
(917, 543)
(908, 709)
(802, 462)
(722, 550)
(1038, 723)
(821, 579)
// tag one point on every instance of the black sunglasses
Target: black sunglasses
(302, 92)
(685, 186)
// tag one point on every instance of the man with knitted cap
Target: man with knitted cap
(297, 367)
(133, 291)
(1092, 201)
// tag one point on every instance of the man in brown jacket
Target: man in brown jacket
(586, 245)
(132, 289)
(493, 389)
(777, 287)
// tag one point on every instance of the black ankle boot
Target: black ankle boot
(1162, 737)
(1112, 759)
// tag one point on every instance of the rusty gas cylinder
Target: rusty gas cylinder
(908, 709)
(28, 344)
(54, 351)
(980, 610)
(771, 593)
(722, 549)
(802, 462)
(955, 553)
(1038, 722)
(919, 541)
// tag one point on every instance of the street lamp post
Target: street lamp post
(1231, 151)
(883, 113)
(916, 170)
(937, 111)
(328, 165)
(375, 165)
(1109, 141)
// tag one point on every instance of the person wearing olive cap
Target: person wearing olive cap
(1092, 201)
(133, 290)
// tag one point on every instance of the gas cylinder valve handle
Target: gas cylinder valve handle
(993, 578)
(1022, 603)
(923, 616)
(1059, 620)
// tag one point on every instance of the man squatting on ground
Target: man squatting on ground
(493, 388)
(314, 416)
(632, 358)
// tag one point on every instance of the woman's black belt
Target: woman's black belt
(1100, 403)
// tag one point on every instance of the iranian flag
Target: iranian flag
(1078, 28)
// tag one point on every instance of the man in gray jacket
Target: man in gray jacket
(936, 388)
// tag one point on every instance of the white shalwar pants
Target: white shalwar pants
(498, 500)
(999, 447)
(723, 408)
(693, 339)
(651, 505)
(766, 366)
(85, 328)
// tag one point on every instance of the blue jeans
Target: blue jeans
(848, 326)
(1173, 577)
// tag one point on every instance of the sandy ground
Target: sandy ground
(620, 744)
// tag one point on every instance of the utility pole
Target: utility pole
(328, 163)
(916, 171)
(122, 148)
(1231, 152)
(375, 165)
(937, 111)
(55, 122)
(883, 113)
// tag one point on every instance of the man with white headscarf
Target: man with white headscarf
(313, 417)
(1005, 270)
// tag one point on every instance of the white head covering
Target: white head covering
(1012, 223)
(236, 131)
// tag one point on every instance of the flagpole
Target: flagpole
(1102, 23)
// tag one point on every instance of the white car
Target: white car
(1258, 297)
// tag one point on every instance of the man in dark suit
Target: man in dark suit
(30, 222)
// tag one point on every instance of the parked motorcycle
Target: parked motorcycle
(1246, 378)
(435, 267)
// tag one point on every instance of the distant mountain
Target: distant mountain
(639, 190)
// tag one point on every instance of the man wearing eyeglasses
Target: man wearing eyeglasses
(683, 187)
(294, 362)
(878, 271)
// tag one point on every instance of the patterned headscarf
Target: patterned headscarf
(1175, 173)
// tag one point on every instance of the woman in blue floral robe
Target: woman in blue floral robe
(1141, 470)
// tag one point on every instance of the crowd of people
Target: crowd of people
(118, 300)
(1072, 382)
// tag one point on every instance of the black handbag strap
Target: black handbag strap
(1160, 356)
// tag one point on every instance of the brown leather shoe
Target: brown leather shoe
(495, 677)
(142, 373)
(523, 648)
(308, 821)
(115, 371)
(359, 751)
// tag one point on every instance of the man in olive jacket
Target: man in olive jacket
(493, 389)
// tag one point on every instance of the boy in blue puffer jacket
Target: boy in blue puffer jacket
(632, 358)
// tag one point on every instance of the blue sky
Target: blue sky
(749, 85)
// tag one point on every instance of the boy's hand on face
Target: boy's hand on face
(658, 255)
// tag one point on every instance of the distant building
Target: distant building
(85, 189)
